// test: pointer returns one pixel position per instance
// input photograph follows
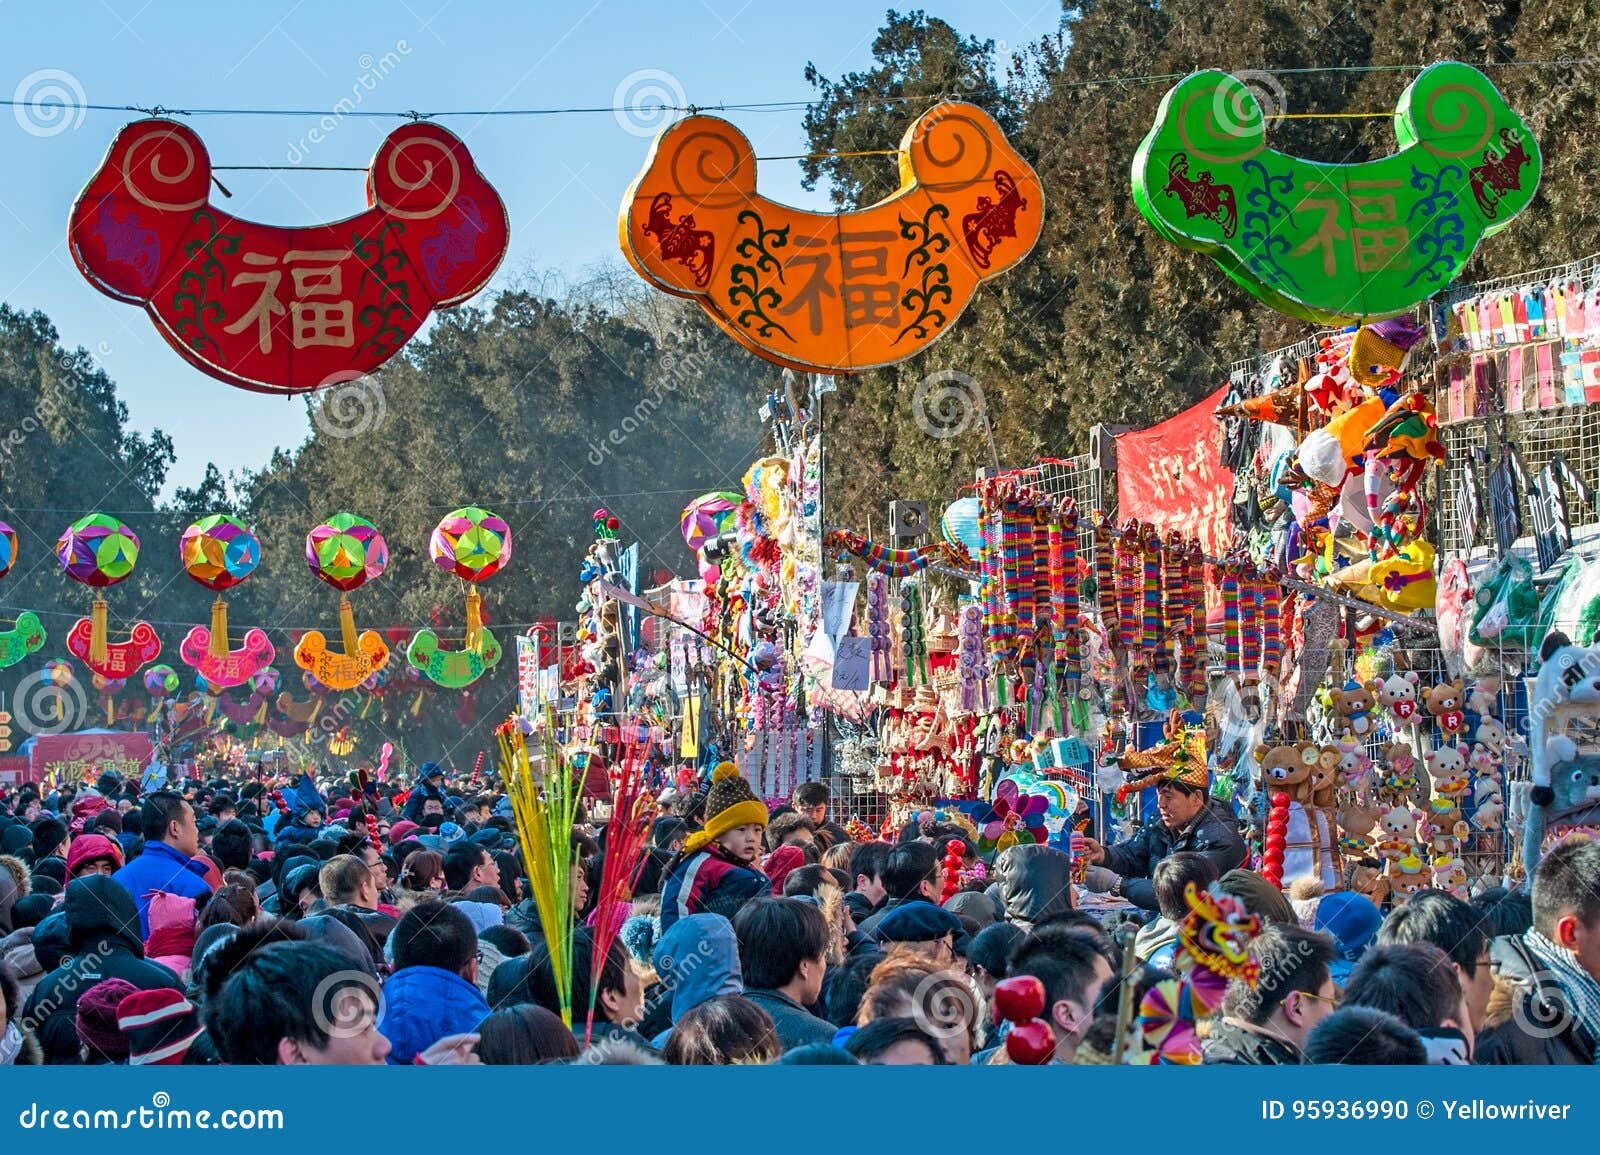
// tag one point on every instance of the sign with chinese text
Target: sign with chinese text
(834, 292)
(83, 757)
(1171, 476)
(1328, 242)
(286, 310)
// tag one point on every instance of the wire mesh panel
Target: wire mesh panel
(1473, 449)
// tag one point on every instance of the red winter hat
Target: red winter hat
(97, 1019)
(86, 848)
(780, 863)
(401, 831)
(160, 1026)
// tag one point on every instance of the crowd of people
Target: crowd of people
(216, 923)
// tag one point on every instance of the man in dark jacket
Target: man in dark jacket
(1188, 820)
(1035, 882)
(104, 937)
(783, 948)
(1556, 965)
(912, 872)
(351, 894)
(1266, 1024)
(429, 788)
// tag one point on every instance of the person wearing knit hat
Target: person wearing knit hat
(93, 854)
(401, 831)
(716, 872)
(1186, 818)
(103, 1041)
(159, 1026)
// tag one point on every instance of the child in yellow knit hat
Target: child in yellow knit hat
(716, 871)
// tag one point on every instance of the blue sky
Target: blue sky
(562, 177)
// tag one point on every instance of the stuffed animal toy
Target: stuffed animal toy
(1491, 811)
(1352, 708)
(1443, 829)
(1401, 782)
(1397, 836)
(1357, 819)
(1444, 702)
(1407, 875)
(1490, 735)
(1355, 768)
(1448, 767)
(1398, 694)
(1483, 695)
(1565, 789)
(1306, 773)
(1485, 766)
(1450, 874)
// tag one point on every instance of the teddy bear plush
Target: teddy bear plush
(1352, 709)
(1355, 768)
(1397, 834)
(1357, 819)
(1490, 735)
(1450, 874)
(1287, 767)
(1401, 780)
(1444, 702)
(1491, 810)
(1447, 765)
(1407, 875)
(1398, 694)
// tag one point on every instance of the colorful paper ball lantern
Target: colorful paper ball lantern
(707, 516)
(8, 548)
(98, 550)
(219, 551)
(471, 543)
(961, 526)
(346, 551)
(57, 673)
(162, 680)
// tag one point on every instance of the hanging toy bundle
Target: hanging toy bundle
(1064, 574)
(972, 663)
(878, 627)
(1193, 661)
(913, 633)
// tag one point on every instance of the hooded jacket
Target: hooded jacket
(709, 882)
(421, 1005)
(420, 793)
(17, 953)
(1213, 833)
(161, 867)
(696, 960)
(1536, 1000)
(1035, 883)
(105, 940)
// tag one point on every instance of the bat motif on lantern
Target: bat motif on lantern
(26, 634)
(100, 551)
(834, 292)
(345, 551)
(219, 552)
(473, 544)
(1326, 242)
(286, 310)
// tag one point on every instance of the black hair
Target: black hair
(524, 1035)
(907, 867)
(1440, 918)
(538, 983)
(878, 1036)
(690, 807)
(775, 936)
(508, 940)
(868, 859)
(323, 848)
(817, 1055)
(459, 863)
(286, 990)
(1062, 958)
(991, 947)
(847, 986)
(807, 879)
(158, 811)
(434, 934)
(1292, 959)
(1366, 1037)
(811, 794)
(652, 872)
(231, 845)
(1567, 882)
(1412, 981)
(1172, 876)
(1072, 920)
(220, 802)
(1503, 912)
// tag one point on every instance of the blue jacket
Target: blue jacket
(697, 960)
(421, 1005)
(161, 867)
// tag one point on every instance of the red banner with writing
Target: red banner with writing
(1171, 476)
(81, 757)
